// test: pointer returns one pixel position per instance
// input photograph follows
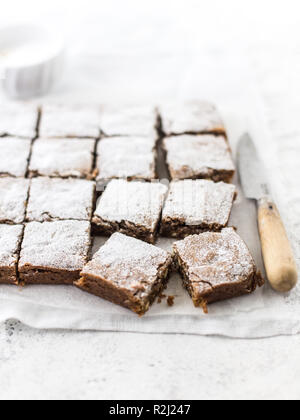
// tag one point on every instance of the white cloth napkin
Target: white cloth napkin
(218, 77)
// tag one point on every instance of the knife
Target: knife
(280, 264)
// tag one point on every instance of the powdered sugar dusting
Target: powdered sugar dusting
(10, 238)
(136, 202)
(62, 157)
(128, 263)
(13, 199)
(58, 245)
(126, 157)
(18, 120)
(70, 121)
(199, 202)
(191, 117)
(195, 156)
(216, 258)
(14, 156)
(60, 199)
(129, 121)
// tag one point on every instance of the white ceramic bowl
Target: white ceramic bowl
(31, 60)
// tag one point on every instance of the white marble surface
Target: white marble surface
(36, 364)
(87, 365)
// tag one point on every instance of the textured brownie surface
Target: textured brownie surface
(62, 158)
(205, 156)
(127, 272)
(13, 200)
(10, 239)
(70, 121)
(60, 199)
(126, 157)
(191, 118)
(19, 120)
(54, 252)
(216, 266)
(14, 156)
(195, 206)
(133, 208)
(129, 121)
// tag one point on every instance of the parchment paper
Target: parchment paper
(216, 77)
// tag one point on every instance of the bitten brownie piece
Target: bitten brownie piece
(127, 157)
(62, 158)
(133, 208)
(193, 117)
(195, 157)
(10, 240)
(216, 266)
(54, 252)
(129, 121)
(18, 120)
(128, 272)
(70, 121)
(14, 156)
(13, 200)
(60, 199)
(196, 206)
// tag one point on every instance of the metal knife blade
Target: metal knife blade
(251, 170)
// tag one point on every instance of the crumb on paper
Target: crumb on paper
(161, 297)
(171, 300)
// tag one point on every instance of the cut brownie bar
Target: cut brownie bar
(54, 252)
(14, 156)
(193, 117)
(216, 266)
(60, 199)
(70, 121)
(196, 206)
(127, 272)
(19, 120)
(129, 121)
(13, 200)
(10, 240)
(127, 157)
(62, 158)
(133, 208)
(194, 157)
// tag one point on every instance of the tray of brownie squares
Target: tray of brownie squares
(133, 174)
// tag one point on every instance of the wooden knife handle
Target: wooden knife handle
(278, 255)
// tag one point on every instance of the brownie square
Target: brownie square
(60, 199)
(127, 272)
(216, 266)
(18, 120)
(133, 208)
(13, 200)
(129, 121)
(62, 158)
(194, 117)
(195, 157)
(62, 121)
(54, 252)
(198, 206)
(10, 240)
(131, 158)
(14, 156)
